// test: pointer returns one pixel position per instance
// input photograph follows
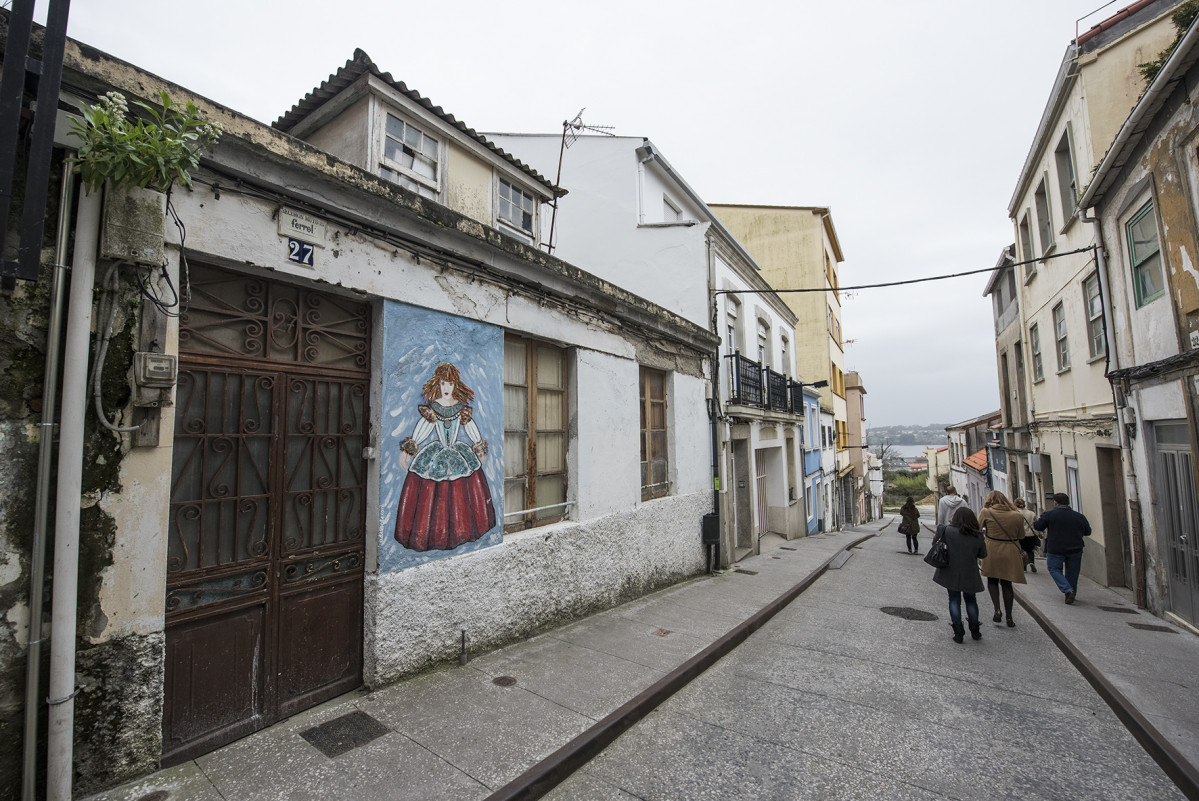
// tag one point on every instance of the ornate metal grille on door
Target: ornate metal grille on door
(266, 530)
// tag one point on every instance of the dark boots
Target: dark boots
(959, 632)
(975, 634)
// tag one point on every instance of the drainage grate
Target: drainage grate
(1122, 609)
(908, 613)
(504, 681)
(344, 733)
(785, 548)
(776, 557)
(1151, 627)
(746, 572)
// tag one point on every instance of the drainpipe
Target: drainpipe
(714, 401)
(45, 461)
(70, 488)
(1112, 356)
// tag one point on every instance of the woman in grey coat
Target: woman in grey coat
(961, 577)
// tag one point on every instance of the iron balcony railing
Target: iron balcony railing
(755, 385)
(776, 391)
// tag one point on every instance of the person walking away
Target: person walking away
(1031, 539)
(948, 505)
(1065, 529)
(1003, 527)
(911, 519)
(961, 579)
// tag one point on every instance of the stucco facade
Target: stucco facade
(1071, 438)
(341, 341)
(1143, 198)
(629, 217)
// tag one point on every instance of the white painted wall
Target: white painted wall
(610, 223)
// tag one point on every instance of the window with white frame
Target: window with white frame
(1090, 291)
(1144, 252)
(411, 158)
(1063, 159)
(732, 324)
(1072, 483)
(655, 463)
(1044, 219)
(671, 211)
(784, 356)
(1034, 348)
(535, 436)
(1059, 336)
(764, 342)
(1026, 253)
(517, 210)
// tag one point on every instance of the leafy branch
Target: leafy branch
(151, 152)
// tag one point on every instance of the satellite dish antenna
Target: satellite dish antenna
(571, 131)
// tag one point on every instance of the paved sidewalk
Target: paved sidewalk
(1144, 663)
(466, 732)
(463, 732)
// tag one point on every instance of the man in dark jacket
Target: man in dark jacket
(1064, 543)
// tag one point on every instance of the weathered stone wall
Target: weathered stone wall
(534, 581)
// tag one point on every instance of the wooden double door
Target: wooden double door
(265, 541)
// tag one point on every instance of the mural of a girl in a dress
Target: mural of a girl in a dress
(445, 501)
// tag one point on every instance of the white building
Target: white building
(365, 295)
(631, 218)
(1071, 439)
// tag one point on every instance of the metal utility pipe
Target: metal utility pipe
(59, 751)
(41, 512)
(1136, 539)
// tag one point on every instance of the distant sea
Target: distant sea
(908, 451)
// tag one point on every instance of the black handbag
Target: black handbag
(938, 552)
(904, 528)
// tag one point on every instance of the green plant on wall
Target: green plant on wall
(151, 153)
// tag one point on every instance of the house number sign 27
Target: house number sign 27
(304, 234)
(300, 252)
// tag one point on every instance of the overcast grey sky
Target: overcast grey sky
(910, 120)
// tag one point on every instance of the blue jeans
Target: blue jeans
(955, 607)
(1064, 568)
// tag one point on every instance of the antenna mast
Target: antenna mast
(571, 131)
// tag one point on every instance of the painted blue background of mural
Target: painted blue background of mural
(415, 341)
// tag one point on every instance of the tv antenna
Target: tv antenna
(571, 131)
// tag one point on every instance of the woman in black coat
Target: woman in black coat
(961, 577)
(911, 519)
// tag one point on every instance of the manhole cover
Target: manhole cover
(1123, 609)
(746, 572)
(908, 613)
(504, 681)
(344, 733)
(1151, 627)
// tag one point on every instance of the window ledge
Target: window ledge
(676, 224)
(1040, 380)
(1030, 274)
(1068, 224)
(1097, 358)
(1062, 371)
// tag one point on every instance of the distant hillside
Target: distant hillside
(906, 435)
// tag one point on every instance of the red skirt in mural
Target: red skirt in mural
(441, 515)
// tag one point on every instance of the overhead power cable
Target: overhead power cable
(898, 283)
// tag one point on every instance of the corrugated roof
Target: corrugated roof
(361, 64)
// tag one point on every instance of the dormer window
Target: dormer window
(411, 158)
(516, 211)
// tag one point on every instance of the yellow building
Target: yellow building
(797, 248)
